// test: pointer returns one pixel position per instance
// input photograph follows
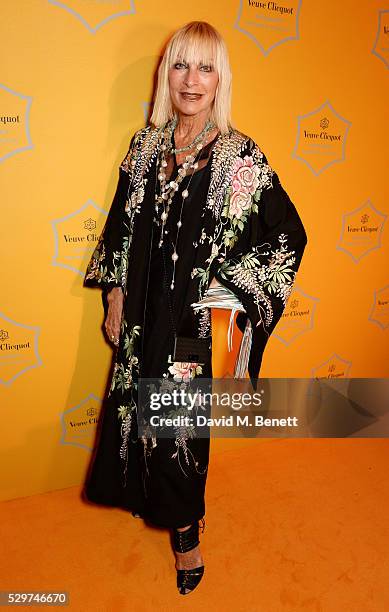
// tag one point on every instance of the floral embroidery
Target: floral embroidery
(275, 276)
(244, 185)
(262, 272)
(114, 271)
(241, 198)
(239, 174)
(246, 174)
(215, 250)
(185, 371)
(184, 431)
(136, 163)
(126, 414)
(177, 377)
(94, 269)
(122, 380)
(204, 324)
(129, 340)
(136, 198)
(244, 179)
(203, 275)
(122, 375)
(227, 149)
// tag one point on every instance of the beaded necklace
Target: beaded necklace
(167, 190)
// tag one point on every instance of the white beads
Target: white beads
(167, 187)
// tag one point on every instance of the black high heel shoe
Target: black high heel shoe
(184, 541)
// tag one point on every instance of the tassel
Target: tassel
(242, 359)
(230, 332)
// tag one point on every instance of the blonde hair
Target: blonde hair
(196, 41)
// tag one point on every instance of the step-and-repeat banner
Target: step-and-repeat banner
(76, 76)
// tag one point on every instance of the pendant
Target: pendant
(174, 256)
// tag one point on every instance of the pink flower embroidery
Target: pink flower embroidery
(184, 371)
(244, 185)
(246, 173)
(240, 200)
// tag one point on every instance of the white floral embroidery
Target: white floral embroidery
(263, 273)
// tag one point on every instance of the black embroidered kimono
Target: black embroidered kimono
(239, 226)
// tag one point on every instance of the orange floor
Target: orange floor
(290, 525)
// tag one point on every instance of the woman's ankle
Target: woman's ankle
(183, 528)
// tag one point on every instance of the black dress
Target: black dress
(165, 483)
(252, 241)
(174, 482)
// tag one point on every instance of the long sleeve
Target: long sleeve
(269, 241)
(107, 267)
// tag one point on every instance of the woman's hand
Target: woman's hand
(114, 315)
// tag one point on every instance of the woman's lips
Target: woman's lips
(191, 96)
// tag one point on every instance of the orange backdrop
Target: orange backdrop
(309, 85)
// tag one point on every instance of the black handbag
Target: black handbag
(191, 350)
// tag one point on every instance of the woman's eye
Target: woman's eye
(206, 68)
(179, 65)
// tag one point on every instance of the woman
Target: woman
(196, 205)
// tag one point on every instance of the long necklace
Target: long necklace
(167, 190)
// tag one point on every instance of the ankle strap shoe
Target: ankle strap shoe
(184, 541)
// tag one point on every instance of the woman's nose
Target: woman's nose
(191, 77)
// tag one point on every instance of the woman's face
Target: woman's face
(192, 87)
